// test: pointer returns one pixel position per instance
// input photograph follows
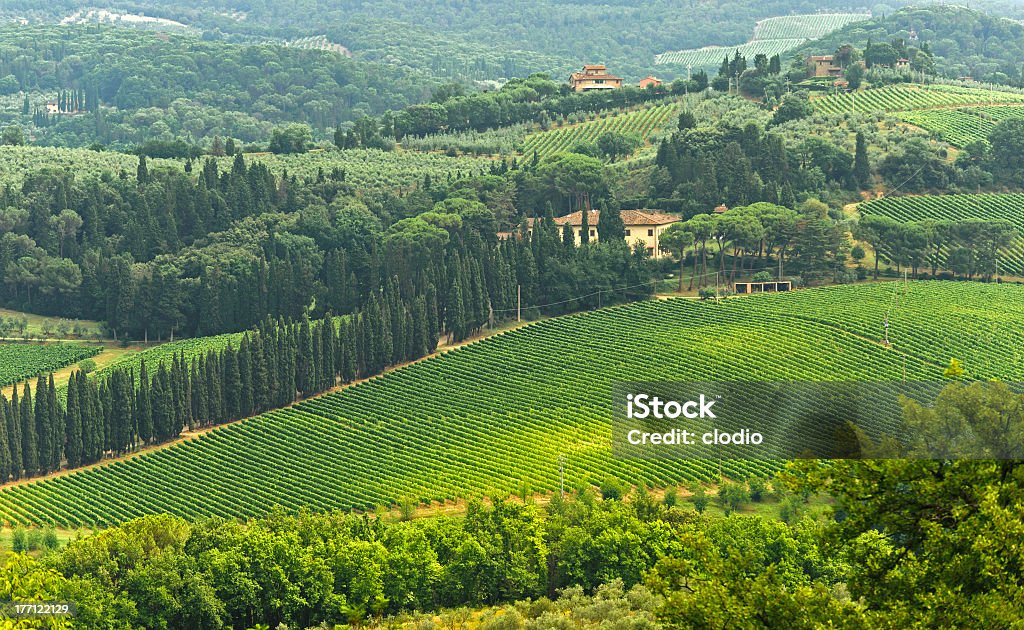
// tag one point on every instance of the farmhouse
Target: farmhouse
(594, 77)
(52, 107)
(644, 226)
(649, 81)
(823, 66)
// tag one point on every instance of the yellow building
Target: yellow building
(594, 77)
(644, 226)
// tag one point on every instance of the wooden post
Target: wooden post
(519, 302)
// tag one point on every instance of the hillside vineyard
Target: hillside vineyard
(496, 414)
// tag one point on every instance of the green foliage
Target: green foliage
(732, 496)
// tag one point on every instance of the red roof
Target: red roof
(629, 217)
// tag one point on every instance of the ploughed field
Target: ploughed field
(492, 415)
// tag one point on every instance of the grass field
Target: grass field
(492, 415)
(36, 323)
(958, 207)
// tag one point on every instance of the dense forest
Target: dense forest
(139, 85)
(477, 40)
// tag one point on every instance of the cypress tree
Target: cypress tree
(260, 386)
(29, 443)
(73, 425)
(143, 407)
(5, 449)
(232, 383)
(245, 394)
(121, 418)
(455, 317)
(610, 228)
(163, 404)
(56, 424)
(584, 226)
(328, 343)
(861, 167)
(44, 432)
(200, 393)
(304, 359)
(14, 433)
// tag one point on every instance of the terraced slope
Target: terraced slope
(488, 416)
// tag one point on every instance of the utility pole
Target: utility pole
(519, 302)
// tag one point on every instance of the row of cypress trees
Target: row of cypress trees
(273, 365)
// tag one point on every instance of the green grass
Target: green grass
(482, 419)
(19, 361)
(37, 323)
(958, 207)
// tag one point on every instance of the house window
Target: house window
(627, 232)
(650, 251)
(592, 234)
(598, 80)
(650, 232)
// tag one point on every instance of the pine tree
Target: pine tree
(73, 425)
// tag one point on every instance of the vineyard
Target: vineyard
(772, 36)
(902, 98)
(805, 26)
(959, 207)
(961, 127)
(19, 361)
(512, 404)
(710, 57)
(319, 42)
(640, 122)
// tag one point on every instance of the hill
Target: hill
(772, 36)
(125, 86)
(963, 41)
(513, 404)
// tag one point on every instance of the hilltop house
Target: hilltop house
(644, 226)
(594, 77)
(823, 66)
